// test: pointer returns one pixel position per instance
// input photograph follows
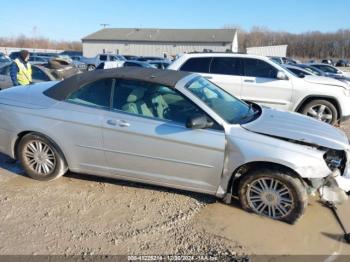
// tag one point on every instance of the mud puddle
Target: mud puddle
(317, 233)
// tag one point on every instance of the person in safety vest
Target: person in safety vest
(21, 70)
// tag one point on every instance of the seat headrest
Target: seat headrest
(136, 95)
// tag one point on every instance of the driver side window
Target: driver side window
(156, 101)
(259, 68)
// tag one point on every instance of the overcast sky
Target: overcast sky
(74, 19)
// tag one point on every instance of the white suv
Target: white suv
(260, 80)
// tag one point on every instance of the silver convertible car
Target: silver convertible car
(174, 129)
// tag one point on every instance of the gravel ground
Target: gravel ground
(84, 215)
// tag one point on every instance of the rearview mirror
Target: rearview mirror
(198, 122)
(282, 75)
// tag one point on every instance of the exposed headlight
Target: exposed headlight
(335, 159)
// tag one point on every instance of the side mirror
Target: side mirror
(282, 75)
(198, 122)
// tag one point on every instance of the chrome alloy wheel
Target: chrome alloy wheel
(270, 197)
(40, 157)
(321, 112)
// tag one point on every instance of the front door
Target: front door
(145, 139)
(260, 85)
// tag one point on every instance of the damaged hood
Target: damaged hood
(297, 127)
(323, 80)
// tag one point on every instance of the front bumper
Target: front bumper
(336, 187)
(343, 181)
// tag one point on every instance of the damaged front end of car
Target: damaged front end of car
(334, 188)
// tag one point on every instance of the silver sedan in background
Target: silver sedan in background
(174, 129)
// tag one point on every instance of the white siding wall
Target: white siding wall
(276, 50)
(92, 48)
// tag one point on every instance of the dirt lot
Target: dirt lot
(83, 215)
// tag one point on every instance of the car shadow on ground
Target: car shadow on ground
(206, 199)
(15, 168)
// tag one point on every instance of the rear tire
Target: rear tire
(40, 158)
(273, 193)
(322, 110)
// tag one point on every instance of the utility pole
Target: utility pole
(104, 25)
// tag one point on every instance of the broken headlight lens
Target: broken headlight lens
(335, 159)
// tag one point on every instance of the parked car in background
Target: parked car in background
(78, 61)
(343, 63)
(290, 61)
(4, 59)
(110, 64)
(137, 64)
(300, 72)
(277, 59)
(131, 57)
(61, 68)
(313, 70)
(328, 62)
(318, 72)
(44, 55)
(149, 58)
(191, 135)
(40, 74)
(260, 80)
(94, 62)
(283, 60)
(38, 60)
(160, 64)
(72, 53)
(330, 70)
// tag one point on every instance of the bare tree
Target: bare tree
(40, 42)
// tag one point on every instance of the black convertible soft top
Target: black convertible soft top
(167, 78)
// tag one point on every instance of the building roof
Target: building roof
(163, 35)
(64, 88)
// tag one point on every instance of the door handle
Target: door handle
(111, 122)
(123, 123)
(249, 81)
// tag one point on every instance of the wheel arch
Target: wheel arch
(310, 98)
(24, 133)
(233, 184)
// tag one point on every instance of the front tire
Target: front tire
(40, 158)
(274, 194)
(322, 110)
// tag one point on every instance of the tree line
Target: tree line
(315, 44)
(39, 43)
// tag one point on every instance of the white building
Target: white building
(157, 42)
(273, 50)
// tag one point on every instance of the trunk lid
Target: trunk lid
(30, 96)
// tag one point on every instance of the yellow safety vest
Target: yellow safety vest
(24, 75)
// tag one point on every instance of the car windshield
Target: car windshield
(313, 70)
(230, 108)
